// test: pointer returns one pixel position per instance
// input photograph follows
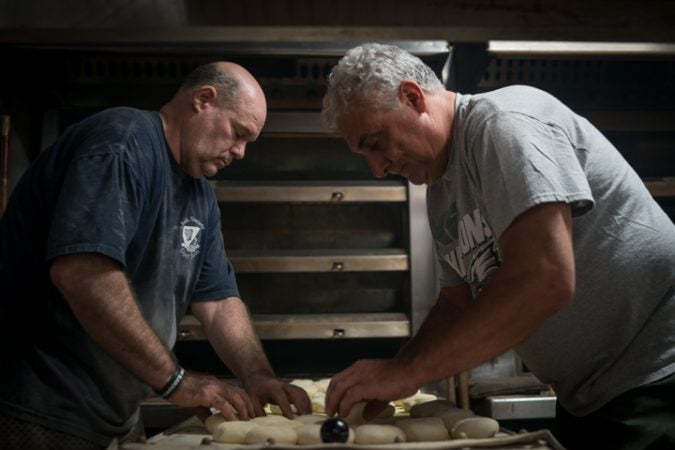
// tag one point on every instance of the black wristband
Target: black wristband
(173, 383)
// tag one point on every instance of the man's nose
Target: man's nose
(238, 150)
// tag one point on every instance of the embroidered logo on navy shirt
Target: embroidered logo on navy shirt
(190, 231)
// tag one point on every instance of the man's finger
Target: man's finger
(225, 408)
(373, 408)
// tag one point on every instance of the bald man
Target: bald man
(109, 237)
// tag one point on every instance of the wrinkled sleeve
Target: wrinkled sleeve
(98, 207)
(217, 278)
(520, 162)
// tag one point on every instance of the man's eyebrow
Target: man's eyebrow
(246, 131)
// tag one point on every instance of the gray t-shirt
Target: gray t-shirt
(518, 147)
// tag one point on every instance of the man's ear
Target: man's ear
(411, 94)
(203, 96)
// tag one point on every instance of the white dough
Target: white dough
(233, 432)
(309, 433)
(378, 434)
(213, 421)
(270, 420)
(416, 399)
(303, 382)
(309, 418)
(308, 385)
(275, 409)
(433, 408)
(355, 416)
(322, 384)
(424, 429)
(455, 415)
(267, 434)
(475, 428)
(318, 403)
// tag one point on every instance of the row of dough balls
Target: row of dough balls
(316, 391)
(437, 420)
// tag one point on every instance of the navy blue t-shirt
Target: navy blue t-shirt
(109, 185)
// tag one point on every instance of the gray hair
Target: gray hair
(227, 84)
(372, 74)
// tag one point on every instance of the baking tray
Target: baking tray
(191, 434)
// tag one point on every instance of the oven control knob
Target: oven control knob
(334, 430)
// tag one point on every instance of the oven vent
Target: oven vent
(112, 70)
(580, 72)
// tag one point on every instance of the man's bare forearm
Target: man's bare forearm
(101, 299)
(229, 328)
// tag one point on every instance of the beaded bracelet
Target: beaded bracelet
(173, 383)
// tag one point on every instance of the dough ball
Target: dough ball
(270, 420)
(386, 420)
(268, 434)
(416, 399)
(291, 424)
(213, 421)
(355, 416)
(455, 415)
(309, 433)
(433, 408)
(424, 429)
(307, 385)
(378, 434)
(302, 382)
(322, 384)
(318, 403)
(233, 432)
(309, 418)
(275, 409)
(475, 428)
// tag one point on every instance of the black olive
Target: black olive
(334, 430)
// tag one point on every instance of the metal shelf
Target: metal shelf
(311, 191)
(313, 326)
(518, 407)
(330, 260)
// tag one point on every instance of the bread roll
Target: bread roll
(212, 421)
(309, 433)
(433, 408)
(420, 397)
(424, 429)
(475, 428)
(455, 415)
(378, 434)
(233, 432)
(309, 418)
(268, 434)
(270, 420)
(355, 416)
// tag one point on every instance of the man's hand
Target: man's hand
(200, 392)
(375, 381)
(265, 390)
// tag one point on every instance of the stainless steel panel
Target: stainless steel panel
(314, 326)
(511, 407)
(314, 226)
(316, 191)
(332, 260)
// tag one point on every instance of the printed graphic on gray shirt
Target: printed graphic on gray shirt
(474, 255)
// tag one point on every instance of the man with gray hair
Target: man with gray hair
(547, 240)
(109, 237)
